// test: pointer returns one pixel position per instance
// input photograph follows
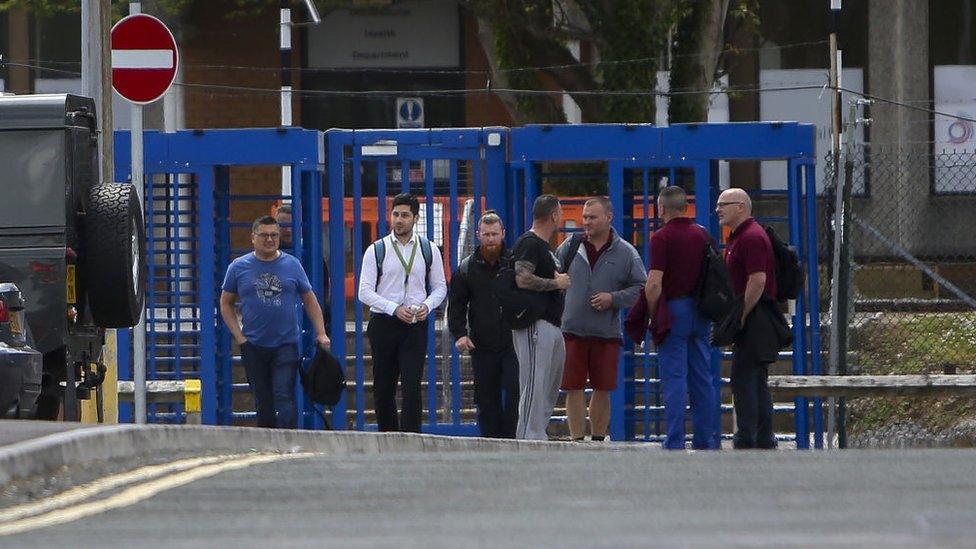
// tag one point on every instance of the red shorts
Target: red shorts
(595, 359)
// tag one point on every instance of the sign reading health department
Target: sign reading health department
(144, 58)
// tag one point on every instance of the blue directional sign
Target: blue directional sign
(410, 112)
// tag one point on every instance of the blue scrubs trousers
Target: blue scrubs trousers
(685, 371)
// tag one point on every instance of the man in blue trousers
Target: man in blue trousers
(677, 252)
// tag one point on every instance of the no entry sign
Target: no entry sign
(144, 58)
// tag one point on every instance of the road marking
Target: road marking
(87, 491)
(184, 472)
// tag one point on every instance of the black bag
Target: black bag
(324, 381)
(789, 272)
(520, 308)
(713, 292)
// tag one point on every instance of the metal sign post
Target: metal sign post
(145, 61)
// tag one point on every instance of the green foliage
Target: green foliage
(692, 68)
(913, 343)
(120, 8)
(525, 36)
(514, 47)
(629, 41)
(625, 30)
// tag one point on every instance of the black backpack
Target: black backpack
(520, 308)
(324, 381)
(789, 272)
(713, 292)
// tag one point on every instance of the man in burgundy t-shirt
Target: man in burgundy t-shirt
(752, 268)
(677, 252)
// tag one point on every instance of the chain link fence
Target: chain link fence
(912, 298)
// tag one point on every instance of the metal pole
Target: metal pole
(843, 291)
(285, 53)
(96, 83)
(96, 75)
(835, 297)
(139, 332)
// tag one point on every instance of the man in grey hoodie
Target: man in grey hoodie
(607, 276)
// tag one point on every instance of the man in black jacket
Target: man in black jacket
(475, 321)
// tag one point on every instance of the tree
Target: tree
(623, 44)
(521, 35)
(697, 46)
(628, 40)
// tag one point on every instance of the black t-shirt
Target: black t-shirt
(529, 247)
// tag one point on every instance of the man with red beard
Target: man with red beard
(475, 321)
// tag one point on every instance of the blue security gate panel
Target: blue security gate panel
(342, 182)
(188, 210)
(456, 173)
(640, 160)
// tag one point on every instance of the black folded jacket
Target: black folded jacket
(764, 334)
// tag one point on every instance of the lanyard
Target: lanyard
(407, 267)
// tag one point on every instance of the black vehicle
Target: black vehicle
(20, 365)
(74, 247)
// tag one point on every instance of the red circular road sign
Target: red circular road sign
(144, 58)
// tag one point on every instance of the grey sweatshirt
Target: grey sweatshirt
(619, 271)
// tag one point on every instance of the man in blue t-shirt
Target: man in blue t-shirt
(269, 284)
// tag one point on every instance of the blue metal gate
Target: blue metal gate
(190, 216)
(446, 168)
(457, 172)
(636, 156)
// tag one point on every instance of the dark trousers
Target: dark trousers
(271, 374)
(753, 402)
(398, 351)
(496, 392)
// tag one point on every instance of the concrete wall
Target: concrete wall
(901, 204)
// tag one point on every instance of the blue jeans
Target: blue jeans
(684, 367)
(271, 372)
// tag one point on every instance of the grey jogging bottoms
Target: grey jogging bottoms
(541, 353)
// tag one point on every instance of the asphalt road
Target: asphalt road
(570, 499)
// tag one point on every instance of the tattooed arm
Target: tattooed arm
(525, 279)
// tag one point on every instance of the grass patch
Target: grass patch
(912, 343)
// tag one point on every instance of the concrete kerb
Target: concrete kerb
(124, 442)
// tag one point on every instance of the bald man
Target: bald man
(752, 268)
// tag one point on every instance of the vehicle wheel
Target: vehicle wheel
(115, 249)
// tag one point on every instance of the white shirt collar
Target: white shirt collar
(395, 241)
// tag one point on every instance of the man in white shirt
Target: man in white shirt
(400, 294)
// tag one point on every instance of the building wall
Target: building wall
(242, 51)
(237, 51)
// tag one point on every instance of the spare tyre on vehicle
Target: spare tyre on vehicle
(115, 250)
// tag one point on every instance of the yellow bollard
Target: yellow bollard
(110, 394)
(191, 400)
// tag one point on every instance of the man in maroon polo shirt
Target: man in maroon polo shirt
(752, 268)
(677, 252)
